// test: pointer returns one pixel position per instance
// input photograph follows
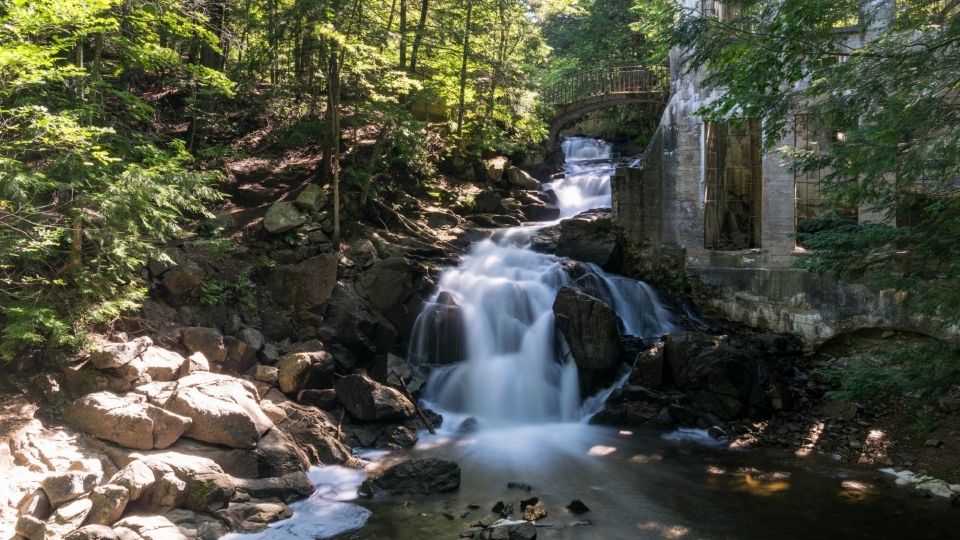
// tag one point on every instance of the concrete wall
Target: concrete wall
(663, 203)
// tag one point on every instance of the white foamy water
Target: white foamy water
(515, 371)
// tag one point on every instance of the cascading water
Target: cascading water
(511, 372)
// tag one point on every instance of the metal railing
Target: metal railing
(612, 80)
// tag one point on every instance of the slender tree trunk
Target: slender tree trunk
(333, 101)
(463, 71)
(393, 9)
(418, 37)
(403, 34)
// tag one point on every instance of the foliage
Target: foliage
(879, 83)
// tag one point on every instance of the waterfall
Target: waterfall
(511, 372)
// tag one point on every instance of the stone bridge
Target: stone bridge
(588, 91)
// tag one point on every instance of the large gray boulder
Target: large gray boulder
(107, 504)
(162, 365)
(359, 327)
(125, 358)
(587, 237)
(126, 420)
(281, 217)
(648, 371)
(67, 486)
(149, 528)
(369, 401)
(389, 285)
(510, 530)
(225, 410)
(414, 477)
(519, 178)
(590, 327)
(304, 286)
(183, 481)
(253, 516)
(312, 198)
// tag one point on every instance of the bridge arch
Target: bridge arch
(589, 91)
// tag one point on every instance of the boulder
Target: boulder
(180, 280)
(67, 518)
(150, 528)
(391, 369)
(305, 286)
(92, 532)
(495, 167)
(252, 337)
(488, 202)
(224, 410)
(184, 480)
(319, 444)
(107, 504)
(35, 505)
(509, 530)
(292, 372)
(414, 477)
(208, 341)
(587, 237)
(363, 253)
(416, 423)
(288, 488)
(590, 327)
(648, 370)
(519, 178)
(281, 217)
(545, 241)
(195, 363)
(359, 327)
(240, 357)
(540, 211)
(389, 285)
(252, 517)
(267, 374)
(120, 356)
(325, 399)
(194, 525)
(128, 421)
(397, 436)
(368, 400)
(135, 477)
(441, 333)
(722, 379)
(161, 364)
(278, 454)
(30, 527)
(312, 198)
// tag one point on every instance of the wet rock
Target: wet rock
(391, 369)
(586, 237)
(494, 221)
(495, 167)
(534, 513)
(470, 425)
(92, 532)
(520, 486)
(320, 445)
(510, 530)
(519, 178)
(545, 241)
(498, 508)
(415, 477)
(278, 454)
(224, 410)
(367, 400)
(648, 370)
(312, 198)
(208, 341)
(577, 506)
(253, 517)
(325, 399)
(398, 436)
(304, 286)
(532, 501)
(282, 217)
(107, 504)
(443, 335)
(417, 424)
(128, 421)
(589, 326)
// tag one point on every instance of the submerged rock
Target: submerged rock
(510, 530)
(414, 477)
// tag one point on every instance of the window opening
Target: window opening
(811, 203)
(733, 185)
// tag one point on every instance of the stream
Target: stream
(533, 430)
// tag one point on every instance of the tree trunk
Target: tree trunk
(403, 34)
(418, 37)
(463, 72)
(333, 109)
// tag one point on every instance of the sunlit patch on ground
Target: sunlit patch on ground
(646, 458)
(875, 447)
(811, 440)
(666, 531)
(600, 450)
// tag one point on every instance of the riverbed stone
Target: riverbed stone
(150, 528)
(648, 370)
(510, 530)
(162, 365)
(590, 327)
(415, 477)
(253, 516)
(67, 519)
(92, 532)
(442, 331)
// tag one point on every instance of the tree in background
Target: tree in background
(888, 104)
